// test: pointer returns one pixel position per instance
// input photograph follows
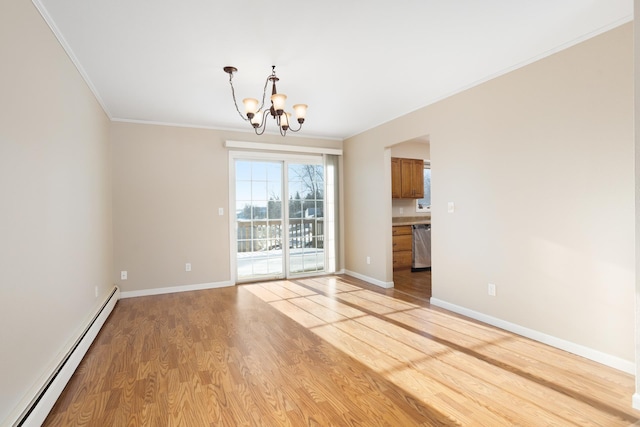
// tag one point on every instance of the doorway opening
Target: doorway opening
(413, 277)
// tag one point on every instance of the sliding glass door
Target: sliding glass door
(306, 217)
(279, 217)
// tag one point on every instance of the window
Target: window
(424, 204)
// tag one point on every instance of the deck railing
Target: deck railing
(262, 234)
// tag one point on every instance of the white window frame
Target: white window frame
(425, 209)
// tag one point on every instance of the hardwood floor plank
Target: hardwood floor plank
(326, 351)
(474, 374)
(415, 283)
(553, 368)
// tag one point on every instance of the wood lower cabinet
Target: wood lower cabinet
(407, 178)
(402, 246)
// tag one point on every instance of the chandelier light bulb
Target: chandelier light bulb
(278, 100)
(256, 120)
(285, 118)
(301, 112)
(250, 106)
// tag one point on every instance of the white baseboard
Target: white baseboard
(371, 280)
(45, 396)
(635, 401)
(580, 350)
(173, 289)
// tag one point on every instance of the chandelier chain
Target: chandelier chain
(233, 93)
(264, 93)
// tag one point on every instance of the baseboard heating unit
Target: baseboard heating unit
(37, 411)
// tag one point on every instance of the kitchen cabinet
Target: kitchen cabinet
(396, 178)
(412, 178)
(402, 246)
(407, 178)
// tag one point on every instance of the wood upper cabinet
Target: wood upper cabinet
(407, 178)
(396, 178)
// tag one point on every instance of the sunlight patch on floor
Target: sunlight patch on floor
(410, 345)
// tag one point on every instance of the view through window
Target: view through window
(275, 237)
(424, 204)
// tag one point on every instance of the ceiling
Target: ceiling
(356, 63)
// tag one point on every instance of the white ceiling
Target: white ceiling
(356, 63)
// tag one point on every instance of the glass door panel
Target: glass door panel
(259, 220)
(306, 217)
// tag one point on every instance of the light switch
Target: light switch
(451, 207)
(220, 211)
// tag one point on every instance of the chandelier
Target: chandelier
(257, 114)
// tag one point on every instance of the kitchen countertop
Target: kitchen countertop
(410, 220)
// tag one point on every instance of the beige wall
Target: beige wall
(55, 215)
(412, 150)
(636, 56)
(539, 163)
(168, 183)
(367, 209)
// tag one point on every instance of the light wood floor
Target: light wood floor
(415, 283)
(327, 351)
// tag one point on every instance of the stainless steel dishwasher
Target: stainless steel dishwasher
(421, 253)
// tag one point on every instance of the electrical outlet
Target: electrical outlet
(123, 275)
(401, 210)
(491, 289)
(368, 260)
(187, 267)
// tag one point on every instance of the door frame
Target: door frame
(285, 158)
